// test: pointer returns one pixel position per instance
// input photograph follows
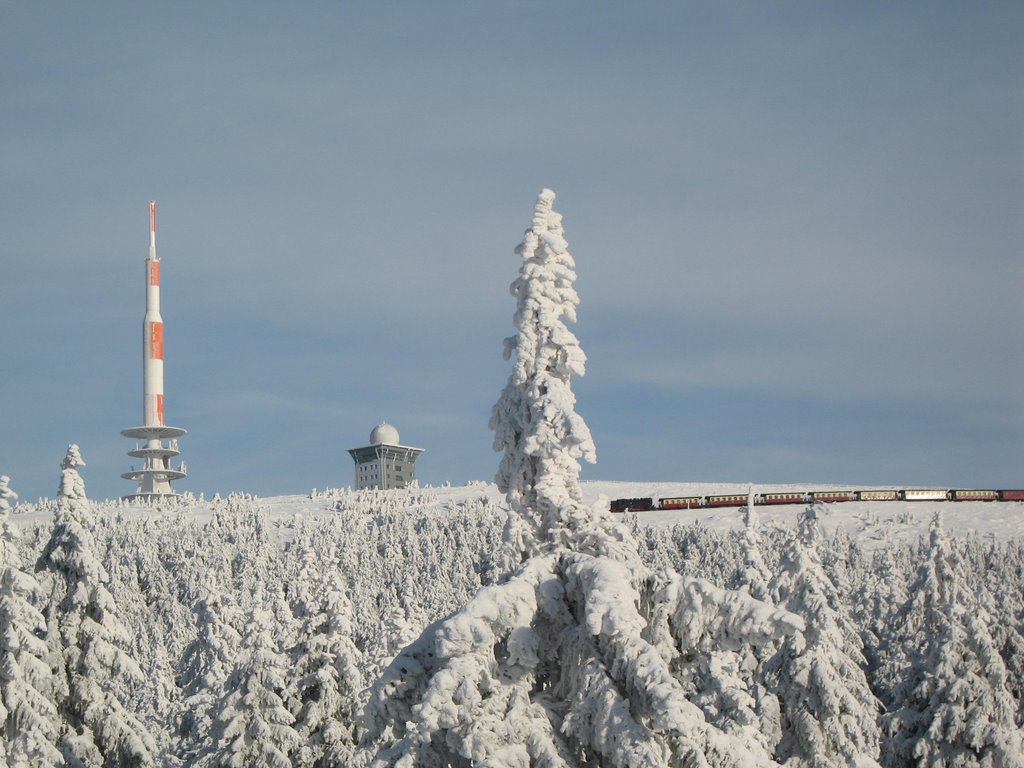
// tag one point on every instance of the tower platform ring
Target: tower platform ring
(163, 474)
(153, 433)
(156, 453)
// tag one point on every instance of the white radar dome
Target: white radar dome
(384, 433)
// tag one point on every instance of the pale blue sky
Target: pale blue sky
(798, 229)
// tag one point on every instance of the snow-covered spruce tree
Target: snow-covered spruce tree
(755, 576)
(569, 662)
(736, 693)
(252, 727)
(96, 673)
(883, 592)
(144, 586)
(203, 670)
(1012, 651)
(844, 563)
(951, 706)
(534, 421)
(1006, 578)
(400, 622)
(27, 709)
(829, 715)
(326, 672)
(720, 636)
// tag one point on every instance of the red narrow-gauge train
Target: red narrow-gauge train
(781, 498)
(968, 495)
(877, 495)
(648, 504)
(729, 500)
(682, 502)
(831, 497)
(924, 494)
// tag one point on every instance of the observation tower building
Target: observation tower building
(385, 463)
(158, 443)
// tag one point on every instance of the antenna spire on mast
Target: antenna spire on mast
(152, 229)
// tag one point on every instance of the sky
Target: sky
(798, 229)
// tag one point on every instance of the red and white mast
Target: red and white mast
(156, 474)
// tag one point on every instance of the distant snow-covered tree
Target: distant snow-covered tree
(27, 709)
(736, 695)
(559, 665)
(97, 673)
(755, 576)
(1012, 651)
(252, 726)
(1006, 609)
(883, 591)
(843, 561)
(327, 671)
(952, 706)
(204, 669)
(400, 623)
(830, 716)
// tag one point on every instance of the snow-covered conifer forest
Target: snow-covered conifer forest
(515, 624)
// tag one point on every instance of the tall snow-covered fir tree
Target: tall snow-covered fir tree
(27, 709)
(570, 661)
(96, 673)
(534, 421)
